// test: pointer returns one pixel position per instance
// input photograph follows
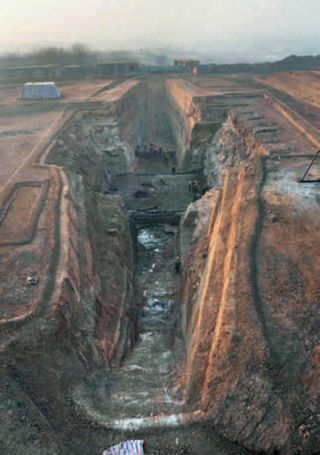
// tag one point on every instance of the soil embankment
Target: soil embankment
(84, 320)
(248, 291)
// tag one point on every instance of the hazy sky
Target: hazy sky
(200, 24)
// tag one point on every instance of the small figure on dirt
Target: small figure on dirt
(177, 264)
(173, 169)
(32, 280)
(137, 151)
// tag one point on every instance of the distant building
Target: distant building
(39, 91)
(73, 71)
(205, 69)
(31, 72)
(156, 69)
(43, 72)
(53, 72)
(186, 64)
(120, 68)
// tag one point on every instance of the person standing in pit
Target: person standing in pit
(177, 264)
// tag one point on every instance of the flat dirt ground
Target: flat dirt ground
(19, 136)
(26, 124)
(220, 84)
(29, 190)
(83, 89)
(212, 85)
(300, 90)
(73, 90)
(302, 85)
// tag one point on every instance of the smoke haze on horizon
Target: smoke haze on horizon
(234, 29)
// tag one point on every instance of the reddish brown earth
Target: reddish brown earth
(251, 294)
(301, 85)
(298, 90)
(32, 208)
(249, 305)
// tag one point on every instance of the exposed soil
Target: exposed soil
(299, 90)
(146, 384)
(112, 333)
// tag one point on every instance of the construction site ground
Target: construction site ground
(33, 220)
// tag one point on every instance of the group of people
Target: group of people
(197, 188)
(143, 151)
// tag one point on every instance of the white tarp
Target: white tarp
(39, 91)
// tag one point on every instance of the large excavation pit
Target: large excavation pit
(117, 184)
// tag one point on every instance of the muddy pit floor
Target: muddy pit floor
(142, 386)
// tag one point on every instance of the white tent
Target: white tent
(39, 91)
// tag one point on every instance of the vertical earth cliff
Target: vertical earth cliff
(88, 323)
(250, 301)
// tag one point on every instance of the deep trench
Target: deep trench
(155, 195)
(147, 383)
(144, 384)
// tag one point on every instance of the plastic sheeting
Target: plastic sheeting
(126, 448)
(39, 91)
